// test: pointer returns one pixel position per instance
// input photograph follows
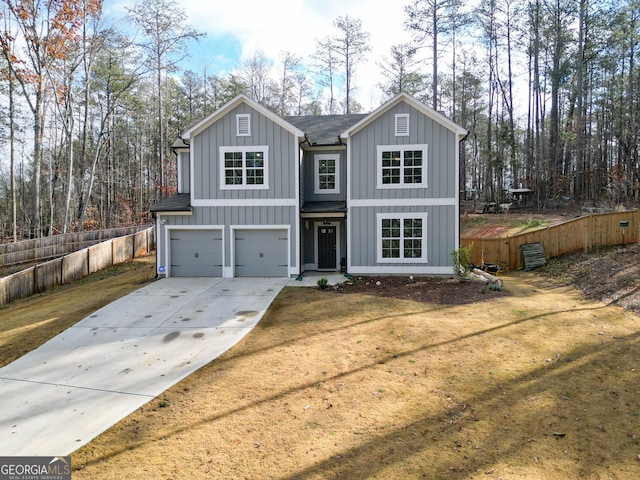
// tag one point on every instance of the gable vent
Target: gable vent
(402, 125)
(243, 124)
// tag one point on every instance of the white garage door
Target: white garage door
(261, 253)
(196, 253)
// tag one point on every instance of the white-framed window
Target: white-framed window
(402, 166)
(402, 125)
(244, 168)
(327, 173)
(401, 237)
(243, 125)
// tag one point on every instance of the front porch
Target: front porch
(324, 236)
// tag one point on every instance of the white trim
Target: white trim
(244, 149)
(400, 270)
(192, 179)
(167, 240)
(229, 106)
(402, 148)
(316, 173)
(230, 272)
(159, 232)
(246, 202)
(240, 125)
(456, 235)
(322, 148)
(174, 213)
(295, 269)
(421, 107)
(402, 127)
(180, 173)
(317, 226)
(323, 215)
(403, 202)
(424, 216)
(349, 225)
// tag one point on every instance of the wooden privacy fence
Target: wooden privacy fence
(76, 265)
(583, 233)
(45, 248)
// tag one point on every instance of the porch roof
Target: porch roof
(180, 202)
(324, 208)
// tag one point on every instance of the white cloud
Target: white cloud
(294, 26)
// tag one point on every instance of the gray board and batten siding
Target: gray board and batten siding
(440, 164)
(293, 222)
(281, 160)
(439, 238)
(435, 201)
(253, 228)
(226, 222)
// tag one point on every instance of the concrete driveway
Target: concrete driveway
(58, 397)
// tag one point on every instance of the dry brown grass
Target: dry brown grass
(536, 384)
(28, 323)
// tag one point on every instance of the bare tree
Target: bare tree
(287, 83)
(255, 74)
(326, 65)
(43, 28)
(162, 24)
(350, 45)
(431, 20)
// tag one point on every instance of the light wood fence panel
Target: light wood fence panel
(18, 285)
(122, 249)
(583, 233)
(48, 275)
(75, 266)
(100, 256)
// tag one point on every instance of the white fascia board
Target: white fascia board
(425, 109)
(404, 202)
(399, 270)
(241, 98)
(250, 202)
(173, 213)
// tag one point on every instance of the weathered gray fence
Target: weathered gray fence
(45, 248)
(73, 266)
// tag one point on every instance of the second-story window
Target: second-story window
(244, 168)
(327, 173)
(402, 166)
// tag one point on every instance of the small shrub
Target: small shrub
(322, 283)
(461, 261)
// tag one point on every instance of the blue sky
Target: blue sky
(236, 30)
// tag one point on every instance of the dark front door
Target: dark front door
(326, 247)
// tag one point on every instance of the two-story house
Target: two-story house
(263, 195)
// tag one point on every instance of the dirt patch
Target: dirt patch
(441, 291)
(610, 275)
(487, 225)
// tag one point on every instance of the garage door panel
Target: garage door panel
(261, 253)
(196, 253)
